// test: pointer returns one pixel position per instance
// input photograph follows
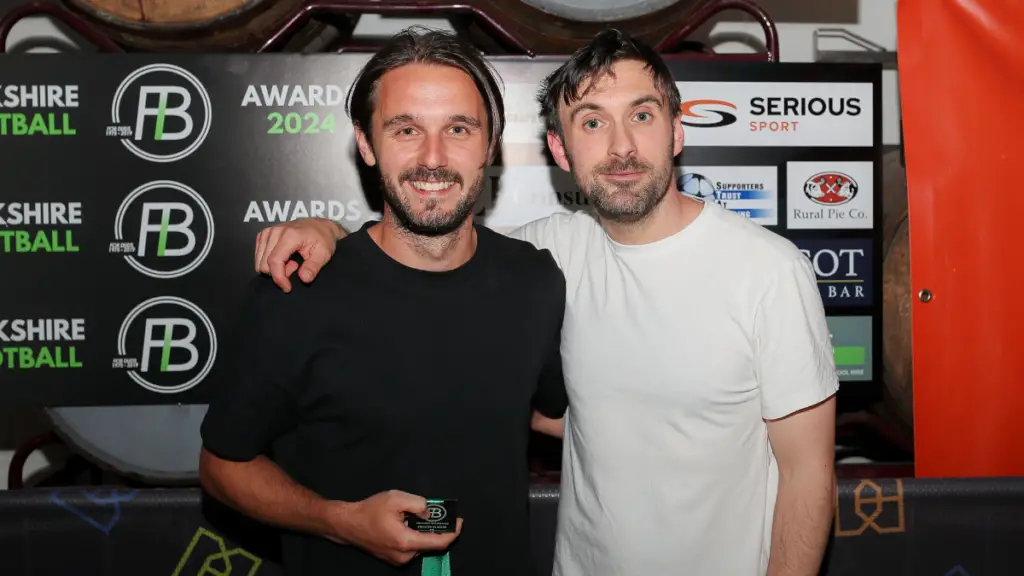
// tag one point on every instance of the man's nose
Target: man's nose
(433, 153)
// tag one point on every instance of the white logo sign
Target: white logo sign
(158, 229)
(436, 512)
(162, 346)
(751, 191)
(830, 195)
(777, 113)
(168, 109)
(517, 195)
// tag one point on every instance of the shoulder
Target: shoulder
(739, 238)
(525, 263)
(755, 258)
(560, 232)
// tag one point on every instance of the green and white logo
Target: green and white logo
(35, 227)
(161, 113)
(164, 228)
(851, 341)
(37, 109)
(296, 109)
(32, 343)
(167, 345)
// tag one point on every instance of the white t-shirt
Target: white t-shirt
(674, 352)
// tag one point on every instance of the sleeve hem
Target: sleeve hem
(793, 403)
(226, 453)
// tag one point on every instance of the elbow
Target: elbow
(210, 473)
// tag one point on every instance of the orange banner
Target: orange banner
(961, 74)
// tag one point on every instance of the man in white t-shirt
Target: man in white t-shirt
(699, 367)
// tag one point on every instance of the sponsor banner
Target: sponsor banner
(843, 267)
(39, 227)
(852, 343)
(163, 229)
(830, 195)
(523, 124)
(39, 109)
(517, 195)
(777, 113)
(751, 191)
(132, 234)
(161, 113)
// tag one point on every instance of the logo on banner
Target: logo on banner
(31, 343)
(276, 211)
(708, 113)
(843, 269)
(516, 195)
(164, 229)
(32, 227)
(877, 505)
(830, 195)
(161, 113)
(210, 555)
(851, 344)
(18, 102)
(830, 188)
(305, 103)
(777, 113)
(750, 191)
(167, 345)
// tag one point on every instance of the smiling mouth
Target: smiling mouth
(431, 186)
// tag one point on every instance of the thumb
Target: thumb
(405, 502)
(309, 270)
(314, 259)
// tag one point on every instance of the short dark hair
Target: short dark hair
(595, 60)
(421, 45)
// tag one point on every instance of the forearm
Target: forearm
(545, 425)
(803, 521)
(262, 490)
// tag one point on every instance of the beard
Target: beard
(625, 202)
(433, 221)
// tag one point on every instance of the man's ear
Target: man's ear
(365, 150)
(678, 136)
(558, 151)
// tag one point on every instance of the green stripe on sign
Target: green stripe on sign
(850, 355)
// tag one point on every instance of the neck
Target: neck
(430, 253)
(671, 215)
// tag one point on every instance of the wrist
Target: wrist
(338, 231)
(338, 521)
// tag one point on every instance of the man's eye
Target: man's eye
(592, 124)
(643, 116)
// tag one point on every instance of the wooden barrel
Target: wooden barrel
(547, 26)
(197, 25)
(896, 295)
(562, 26)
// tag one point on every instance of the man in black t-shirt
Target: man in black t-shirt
(410, 370)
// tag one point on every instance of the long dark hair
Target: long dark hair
(420, 45)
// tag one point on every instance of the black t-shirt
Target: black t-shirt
(378, 376)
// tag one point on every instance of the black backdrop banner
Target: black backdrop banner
(134, 187)
(881, 527)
